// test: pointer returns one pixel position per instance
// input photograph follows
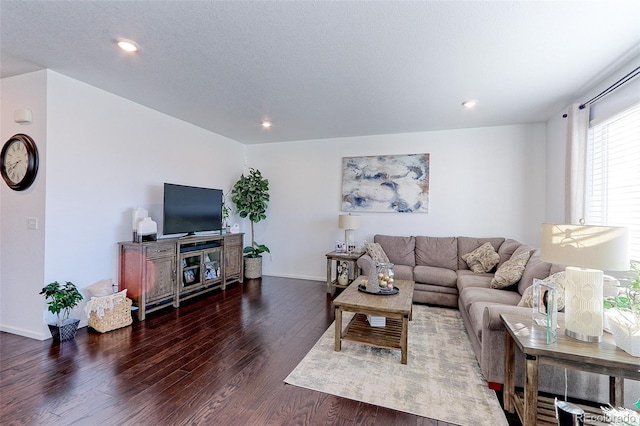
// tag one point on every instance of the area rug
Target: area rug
(441, 380)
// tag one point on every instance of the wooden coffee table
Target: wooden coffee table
(396, 308)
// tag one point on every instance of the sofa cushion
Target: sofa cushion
(555, 268)
(478, 294)
(432, 275)
(377, 253)
(535, 268)
(467, 278)
(401, 250)
(469, 244)
(511, 271)
(403, 272)
(437, 251)
(482, 259)
(506, 250)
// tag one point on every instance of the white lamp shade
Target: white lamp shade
(347, 221)
(585, 246)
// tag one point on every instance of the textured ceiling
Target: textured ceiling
(328, 69)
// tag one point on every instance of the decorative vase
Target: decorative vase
(66, 331)
(343, 278)
(253, 267)
(625, 330)
(384, 272)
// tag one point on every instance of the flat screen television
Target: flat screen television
(191, 209)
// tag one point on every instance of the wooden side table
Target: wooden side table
(602, 358)
(332, 264)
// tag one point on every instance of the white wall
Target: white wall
(556, 134)
(484, 182)
(105, 156)
(22, 250)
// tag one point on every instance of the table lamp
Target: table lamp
(348, 223)
(586, 251)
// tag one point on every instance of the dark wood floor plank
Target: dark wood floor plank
(219, 359)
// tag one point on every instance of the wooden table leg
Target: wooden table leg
(616, 391)
(329, 280)
(509, 372)
(531, 391)
(404, 338)
(338, 332)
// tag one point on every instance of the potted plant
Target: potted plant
(226, 211)
(61, 299)
(250, 194)
(623, 314)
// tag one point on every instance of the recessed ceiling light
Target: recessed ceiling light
(469, 103)
(128, 45)
(266, 124)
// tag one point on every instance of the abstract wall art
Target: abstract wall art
(386, 183)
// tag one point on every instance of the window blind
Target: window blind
(613, 174)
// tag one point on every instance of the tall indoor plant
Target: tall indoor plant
(250, 194)
(61, 299)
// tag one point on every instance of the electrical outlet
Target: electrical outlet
(32, 223)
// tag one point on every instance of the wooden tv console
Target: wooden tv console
(164, 272)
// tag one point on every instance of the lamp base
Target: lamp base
(583, 337)
(584, 304)
(348, 240)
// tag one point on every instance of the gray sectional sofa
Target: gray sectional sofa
(442, 277)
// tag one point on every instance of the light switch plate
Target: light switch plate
(32, 223)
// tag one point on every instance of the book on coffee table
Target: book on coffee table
(377, 321)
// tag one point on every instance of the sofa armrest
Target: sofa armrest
(365, 262)
(493, 341)
(491, 317)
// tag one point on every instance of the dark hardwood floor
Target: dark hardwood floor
(219, 359)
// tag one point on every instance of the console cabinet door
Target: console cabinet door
(233, 258)
(160, 278)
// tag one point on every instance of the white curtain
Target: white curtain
(576, 163)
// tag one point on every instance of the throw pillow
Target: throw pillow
(511, 271)
(101, 288)
(559, 279)
(482, 259)
(376, 252)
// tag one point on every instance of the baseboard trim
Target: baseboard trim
(298, 277)
(24, 333)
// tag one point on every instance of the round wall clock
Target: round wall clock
(19, 162)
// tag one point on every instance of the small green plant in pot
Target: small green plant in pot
(226, 211)
(250, 194)
(61, 299)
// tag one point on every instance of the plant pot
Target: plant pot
(626, 332)
(252, 267)
(66, 331)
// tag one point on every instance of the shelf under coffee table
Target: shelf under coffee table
(395, 308)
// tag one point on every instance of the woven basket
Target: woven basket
(252, 267)
(117, 317)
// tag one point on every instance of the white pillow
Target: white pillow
(101, 288)
(559, 279)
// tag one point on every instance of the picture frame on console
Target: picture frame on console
(189, 276)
